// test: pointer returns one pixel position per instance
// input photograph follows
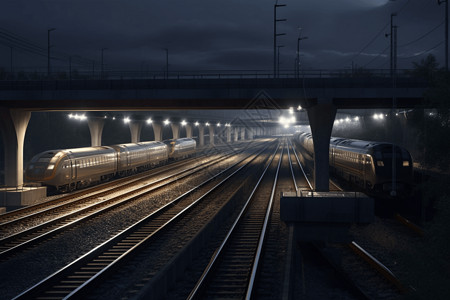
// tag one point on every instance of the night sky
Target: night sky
(216, 35)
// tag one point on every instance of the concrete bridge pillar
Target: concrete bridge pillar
(201, 135)
(175, 130)
(211, 134)
(243, 133)
(135, 130)
(189, 130)
(236, 134)
(249, 133)
(321, 118)
(14, 124)
(157, 130)
(96, 130)
(228, 134)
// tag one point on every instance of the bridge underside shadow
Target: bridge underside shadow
(321, 98)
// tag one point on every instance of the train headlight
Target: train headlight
(406, 163)
(50, 167)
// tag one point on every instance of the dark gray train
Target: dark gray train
(367, 165)
(70, 169)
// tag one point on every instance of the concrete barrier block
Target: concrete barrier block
(12, 197)
(327, 207)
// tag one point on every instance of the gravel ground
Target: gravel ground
(421, 263)
(31, 266)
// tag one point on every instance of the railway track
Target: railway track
(233, 269)
(78, 278)
(92, 207)
(15, 215)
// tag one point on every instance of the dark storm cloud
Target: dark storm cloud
(212, 34)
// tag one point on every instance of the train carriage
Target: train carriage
(364, 163)
(72, 168)
(180, 148)
(132, 157)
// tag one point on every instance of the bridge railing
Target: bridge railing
(201, 74)
(116, 80)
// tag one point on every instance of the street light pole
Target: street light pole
(167, 62)
(48, 50)
(297, 64)
(275, 34)
(278, 59)
(101, 73)
(446, 31)
(391, 35)
(11, 70)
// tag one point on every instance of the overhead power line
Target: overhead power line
(423, 52)
(376, 57)
(17, 42)
(423, 36)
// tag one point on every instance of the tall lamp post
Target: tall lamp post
(275, 34)
(297, 63)
(393, 59)
(278, 59)
(446, 31)
(101, 73)
(48, 50)
(167, 62)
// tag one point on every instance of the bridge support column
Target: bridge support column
(243, 133)
(249, 133)
(236, 134)
(201, 135)
(135, 130)
(13, 126)
(157, 131)
(211, 135)
(228, 134)
(188, 131)
(321, 118)
(96, 130)
(175, 131)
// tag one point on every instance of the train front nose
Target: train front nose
(37, 172)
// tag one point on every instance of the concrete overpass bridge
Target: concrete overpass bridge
(321, 97)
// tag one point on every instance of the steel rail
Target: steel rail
(92, 191)
(73, 218)
(137, 240)
(101, 188)
(263, 231)
(382, 269)
(202, 282)
(409, 224)
(123, 182)
(292, 169)
(294, 149)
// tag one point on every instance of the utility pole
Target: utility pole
(297, 63)
(48, 50)
(278, 59)
(167, 63)
(391, 35)
(275, 34)
(11, 70)
(393, 61)
(446, 31)
(101, 73)
(70, 67)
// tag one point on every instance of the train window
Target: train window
(406, 163)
